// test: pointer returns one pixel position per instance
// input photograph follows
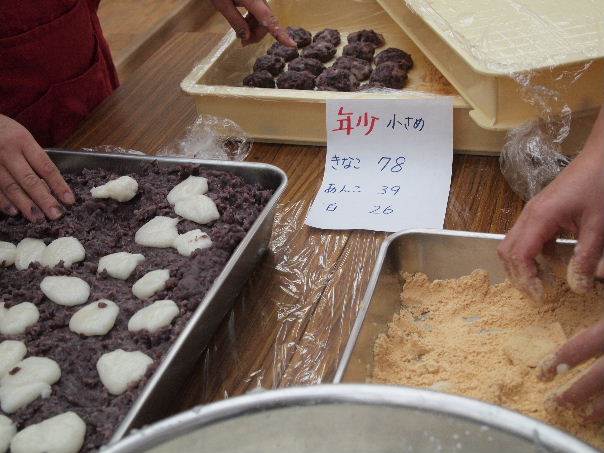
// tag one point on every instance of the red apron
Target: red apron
(55, 65)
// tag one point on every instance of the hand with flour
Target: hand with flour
(587, 392)
(573, 202)
(253, 27)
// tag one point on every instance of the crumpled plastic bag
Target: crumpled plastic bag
(208, 137)
(532, 155)
(531, 158)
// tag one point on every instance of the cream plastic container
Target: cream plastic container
(551, 46)
(298, 117)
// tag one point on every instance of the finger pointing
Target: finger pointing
(233, 17)
(266, 18)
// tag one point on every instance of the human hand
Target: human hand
(256, 24)
(573, 202)
(27, 176)
(587, 391)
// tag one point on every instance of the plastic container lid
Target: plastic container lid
(501, 37)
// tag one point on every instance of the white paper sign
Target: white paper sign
(388, 165)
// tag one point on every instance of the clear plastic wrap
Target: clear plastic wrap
(208, 137)
(297, 311)
(211, 137)
(532, 155)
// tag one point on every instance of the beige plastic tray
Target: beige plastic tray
(292, 116)
(476, 44)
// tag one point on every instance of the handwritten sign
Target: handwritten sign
(388, 165)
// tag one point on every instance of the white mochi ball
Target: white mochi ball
(32, 369)
(96, 318)
(193, 185)
(67, 249)
(7, 432)
(14, 398)
(16, 320)
(192, 240)
(198, 209)
(29, 251)
(118, 369)
(8, 253)
(158, 232)
(121, 189)
(152, 318)
(62, 433)
(151, 283)
(26, 381)
(11, 353)
(65, 290)
(120, 265)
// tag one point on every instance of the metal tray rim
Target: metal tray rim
(149, 387)
(388, 395)
(176, 159)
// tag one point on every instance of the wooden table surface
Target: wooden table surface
(292, 320)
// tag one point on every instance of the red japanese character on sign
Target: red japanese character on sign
(345, 123)
(366, 122)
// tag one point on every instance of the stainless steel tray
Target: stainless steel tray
(439, 255)
(172, 373)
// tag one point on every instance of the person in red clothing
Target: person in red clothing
(55, 68)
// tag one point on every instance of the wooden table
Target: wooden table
(292, 320)
(132, 42)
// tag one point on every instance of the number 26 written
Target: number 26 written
(377, 209)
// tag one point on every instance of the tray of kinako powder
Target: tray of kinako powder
(104, 312)
(439, 314)
(298, 116)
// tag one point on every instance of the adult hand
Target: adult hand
(256, 24)
(27, 176)
(573, 202)
(588, 390)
